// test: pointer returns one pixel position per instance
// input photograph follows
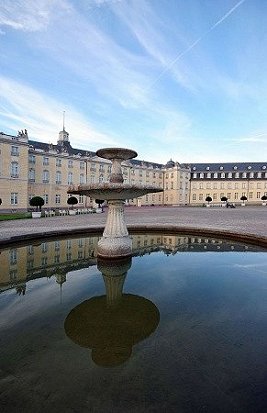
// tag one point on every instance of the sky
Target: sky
(170, 79)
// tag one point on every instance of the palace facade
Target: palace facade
(29, 168)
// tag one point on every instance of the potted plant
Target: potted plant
(99, 203)
(264, 199)
(208, 200)
(224, 200)
(72, 200)
(38, 202)
(243, 199)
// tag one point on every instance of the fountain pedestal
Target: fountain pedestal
(115, 240)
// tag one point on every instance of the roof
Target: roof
(229, 166)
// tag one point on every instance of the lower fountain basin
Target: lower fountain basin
(184, 328)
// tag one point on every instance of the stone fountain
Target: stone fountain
(115, 241)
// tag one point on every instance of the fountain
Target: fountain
(115, 241)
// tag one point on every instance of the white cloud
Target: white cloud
(30, 15)
(24, 107)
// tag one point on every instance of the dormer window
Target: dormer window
(264, 167)
(221, 168)
(249, 167)
(235, 168)
(194, 168)
(208, 168)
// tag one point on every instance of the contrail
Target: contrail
(167, 68)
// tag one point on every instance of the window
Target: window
(208, 185)
(201, 185)
(244, 175)
(82, 180)
(14, 150)
(236, 195)
(57, 245)
(215, 185)
(250, 195)
(237, 175)
(44, 247)
(258, 174)
(82, 165)
(201, 175)
(221, 168)
(45, 176)
(194, 197)
(251, 174)
(32, 158)
(32, 175)
(70, 177)
(230, 175)
(236, 185)
(222, 185)
(14, 198)
(14, 170)
(13, 256)
(222, 175)
(214, 197)
(58, 162)
(45, 160)
(244, 185)
(208, 175)
(200, 197)
(229, 185)
(258, 185)
(215, 175)
(45, 197)
(194, 175)
(101, 167)
(258, 195)
(58, 177)
(57, 198)
(80, 199)
(228, 195)
(70, 163)
(101, 178)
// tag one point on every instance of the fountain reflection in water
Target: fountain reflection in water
(115, 241)
(112, 324)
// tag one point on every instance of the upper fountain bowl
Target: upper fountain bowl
(116, 153)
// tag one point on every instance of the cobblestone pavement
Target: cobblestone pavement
(246, 220)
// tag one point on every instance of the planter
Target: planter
(264, 204)
(36, 214)
(207, 205)
(98, 210)
(243, 204)
(72, 212)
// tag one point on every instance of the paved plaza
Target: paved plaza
(246, 221)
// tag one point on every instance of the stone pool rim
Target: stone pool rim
(168, 229)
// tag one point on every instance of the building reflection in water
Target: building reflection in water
(57, 258)
(110, 325)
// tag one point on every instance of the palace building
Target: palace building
(29, 168)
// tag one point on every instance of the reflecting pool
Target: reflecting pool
(179, 327)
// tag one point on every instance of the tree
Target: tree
(72, 200)
(224, 198)
(264, 198)
(243, 198)
(37, 201)
(208, 199)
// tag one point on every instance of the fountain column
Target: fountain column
(115, 240)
